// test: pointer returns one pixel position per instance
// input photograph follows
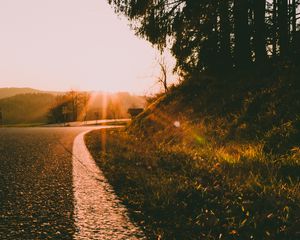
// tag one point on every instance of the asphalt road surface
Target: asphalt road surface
(41, 199)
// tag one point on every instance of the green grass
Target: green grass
(178, 183)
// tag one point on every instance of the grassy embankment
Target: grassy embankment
(227, 169)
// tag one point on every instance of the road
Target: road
(47, 190)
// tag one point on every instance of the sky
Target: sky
(73, 44)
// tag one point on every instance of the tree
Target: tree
(241, 34)
(260, 32)
(274, 29)
(283, 26)
(219, 35)
(163, 77)
(225, 30)
(294, 17)
(71, 106)
(174, 22)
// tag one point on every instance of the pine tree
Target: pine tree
(260, 32)
(241, 34)
(283, 28)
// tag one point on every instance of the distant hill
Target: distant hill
(26, 108)
(9, 92)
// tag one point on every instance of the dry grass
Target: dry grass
(181, 184)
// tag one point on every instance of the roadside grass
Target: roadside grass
(184, 185)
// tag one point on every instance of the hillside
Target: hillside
(26, 108)
(9, 92)
(218, 157)
(245, 108)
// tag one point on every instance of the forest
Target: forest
(221, 35)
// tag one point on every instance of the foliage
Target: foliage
(218, 35)
(234, 107)
(201, 191)
(26, 108)
(82, 106)
(68, 106)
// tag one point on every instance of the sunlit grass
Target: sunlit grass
(212, 159)
(180, 188)
(234, 152)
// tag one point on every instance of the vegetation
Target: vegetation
(220, 35)
(208, 191)
(83, 106)
(26, 108)
(214, 158)
(67, 107)
(9, 92)
(218, 156)
(239, 61)
(211, 160)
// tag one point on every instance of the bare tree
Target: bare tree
(163, 77)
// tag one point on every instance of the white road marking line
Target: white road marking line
(98, 213)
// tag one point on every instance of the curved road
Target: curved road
(40, 198)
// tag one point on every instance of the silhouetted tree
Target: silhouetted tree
(69, 107)
(218, 35)
(283, 27)
(260, 32)
(163, 77)
(225, 30)
(241, 34)
(274, 29)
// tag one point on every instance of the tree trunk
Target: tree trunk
(210, 47)
(283, 30)
(242, 37)
(260, 32)
(225, 51)
(294, 18)
(274, 29)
